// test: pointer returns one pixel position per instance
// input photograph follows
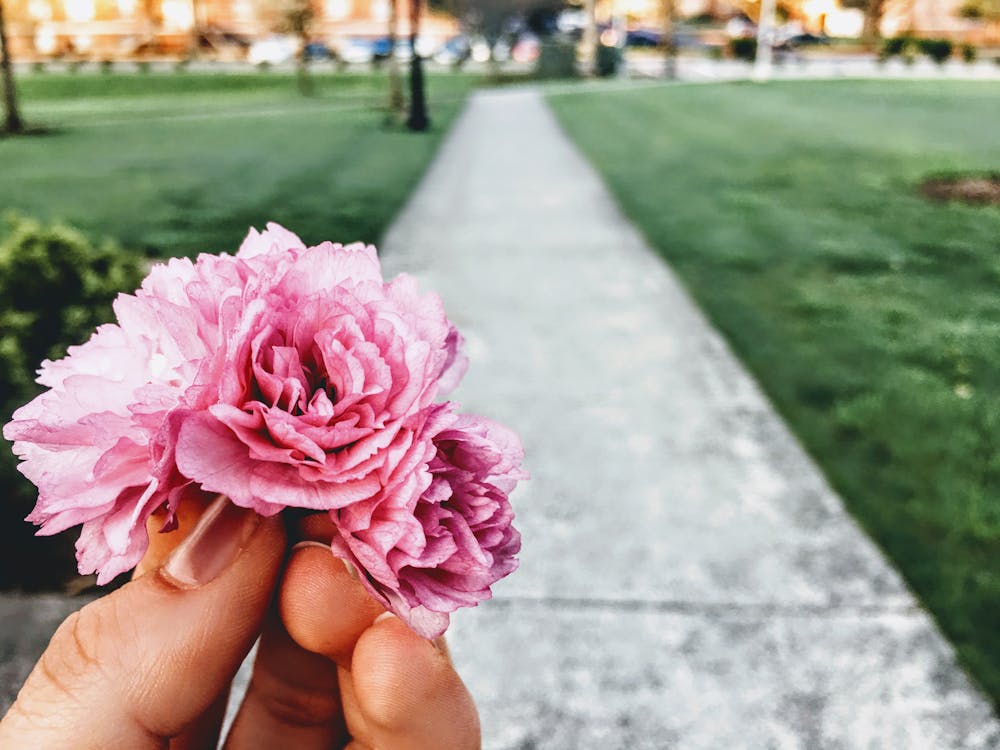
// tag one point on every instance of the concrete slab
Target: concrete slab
(641, 679)
(688, 577)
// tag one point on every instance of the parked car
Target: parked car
(272, 50)
(357, 50)
(526, 49)
(643, 38)
(317, 51)
(454, 51)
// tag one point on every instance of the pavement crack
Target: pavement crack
(720, 609)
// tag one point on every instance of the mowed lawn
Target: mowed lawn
(171, 164)
(870, 315)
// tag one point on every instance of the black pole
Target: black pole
(12, 119)
(418, 119)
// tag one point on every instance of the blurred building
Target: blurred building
(931, 18)
(113, 29)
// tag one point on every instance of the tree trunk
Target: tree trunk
(195, 30)
(669, 48)
(12, 117)
(418, 119)
(395, 83)
(871, 31)
(765, 39)
(589, 40)
(302, 77)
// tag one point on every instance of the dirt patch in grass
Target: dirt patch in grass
(977, 189)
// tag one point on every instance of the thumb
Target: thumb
(137, 666)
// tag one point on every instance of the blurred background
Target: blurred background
(822, 177)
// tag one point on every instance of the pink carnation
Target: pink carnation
(283, 376)
(438, 536)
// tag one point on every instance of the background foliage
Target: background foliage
(55, 287)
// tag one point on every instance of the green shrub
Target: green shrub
(894, 46)
(969, 53)
(556, 59)
(55, 288)
(938, 50)
(609, 59)
(743, 48)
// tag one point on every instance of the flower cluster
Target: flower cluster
(285, 376)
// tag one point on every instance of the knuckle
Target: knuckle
(297, 705)
(75, 649)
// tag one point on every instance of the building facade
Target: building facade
(115, 29)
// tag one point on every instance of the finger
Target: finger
(323, 607)
(141, 664)
(292, 700)
(203, 732)
(161, 543)
(316, 527)
(407, 692)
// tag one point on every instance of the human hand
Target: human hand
(150, 665)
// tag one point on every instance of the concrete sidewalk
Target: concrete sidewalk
(688, 578)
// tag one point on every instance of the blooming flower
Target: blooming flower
(436, 538)
(283, 376)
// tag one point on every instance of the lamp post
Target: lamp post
(418, 119)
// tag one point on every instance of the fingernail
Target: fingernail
(212, 546)
(351, 570)
(310, 543)
(437, 643)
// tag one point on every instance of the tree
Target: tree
(492, 19)
(297, 18)
(12, 116)
(396, 102)
(985, 10)
(589, 40)
(873, 9)
(418, 119)
(670, 49)
(293, 17)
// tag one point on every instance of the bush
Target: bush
(938, 50)
(969, 53)
(609, 59)
(55, 288)
(556, 59)
(894, 46)
(743, 48)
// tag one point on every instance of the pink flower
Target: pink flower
(283, 376)
(438, 535)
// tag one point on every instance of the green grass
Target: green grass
(870, 316)
(174, 164)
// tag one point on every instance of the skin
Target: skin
(150, 665)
